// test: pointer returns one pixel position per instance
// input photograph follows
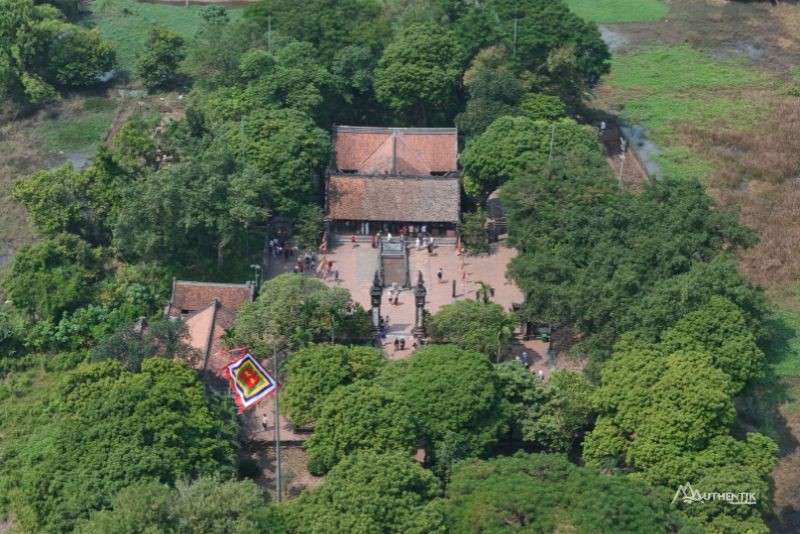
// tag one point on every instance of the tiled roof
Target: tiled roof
(188, 297)
(205, 328)
(401, 151)
(375, 198)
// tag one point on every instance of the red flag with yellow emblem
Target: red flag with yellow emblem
(249, 381)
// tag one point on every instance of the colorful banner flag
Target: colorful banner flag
(249, 381)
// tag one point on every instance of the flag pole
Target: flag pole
(277, 429)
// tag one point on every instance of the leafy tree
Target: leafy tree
(559, 422)
(39, 50)
(473, 232)
(541, 107)
(212, 57)
(673, 403)
(552, 415)
(53, 276)
(608, 263)
(188, 210)
(474, 326)
(106, 429)
(546, 493)
(79, 58)
(293, 309)
(450, 390)
(326, 24)
(511, 145)
(370, 492)
(205, 505)
(418, 72)
(566, 54)
(316, 371)
(80, 202)
(164, 51)
(132, 344)
(287, 156)
(309, 226)
(719, 329)
(359, 416)
(290, 78)
(494, 90)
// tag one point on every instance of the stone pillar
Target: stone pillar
(419, 298)
(376, 293)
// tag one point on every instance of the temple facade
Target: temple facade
(394, 180)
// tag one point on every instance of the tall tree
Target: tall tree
(53, 276)
(451, 391)
(370, 492)
(105, 429)
(356, 417)
(511, 146)
(418, 72)
(39, 50)
(314, 372)
(293, 310)
(474, 326)
(164, 51)
(546, 493)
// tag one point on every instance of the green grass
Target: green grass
(663, 88)
(783, 349)
(126, 22)
(79, 131)
(616, 11)
(678, 69)
(682, 163)
(662, 112)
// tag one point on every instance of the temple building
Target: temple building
(208, 309)
(388, 179)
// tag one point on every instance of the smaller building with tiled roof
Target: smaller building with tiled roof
(189, 297)
(387, 179)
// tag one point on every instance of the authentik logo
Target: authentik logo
(688, 495)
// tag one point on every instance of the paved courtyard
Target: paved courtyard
(357, 263)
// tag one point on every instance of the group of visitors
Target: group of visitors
(281, 247)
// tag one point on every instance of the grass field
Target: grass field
(79, 127)
(126, 22)
(678, 91)
(616, 11)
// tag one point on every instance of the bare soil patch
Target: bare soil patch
(764, 34)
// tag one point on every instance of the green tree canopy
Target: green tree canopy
(188, 211)
(451, 391)
(104, 429)
(53, 276)
(546, 493)
(164, 51)
(369, 492)
(80, 202)
(206, 505)
(474, 326)
(39, 50)
(511, 145)
(293, 309)
(494, 90)
(719, 329)
(314, 372)
(418, 72)
(327, 24)
(286, 157)
(359, 416)
(565, 54)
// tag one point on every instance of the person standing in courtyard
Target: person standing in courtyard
(440, 275)
(264, 422)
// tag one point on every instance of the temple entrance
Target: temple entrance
(394, 264)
